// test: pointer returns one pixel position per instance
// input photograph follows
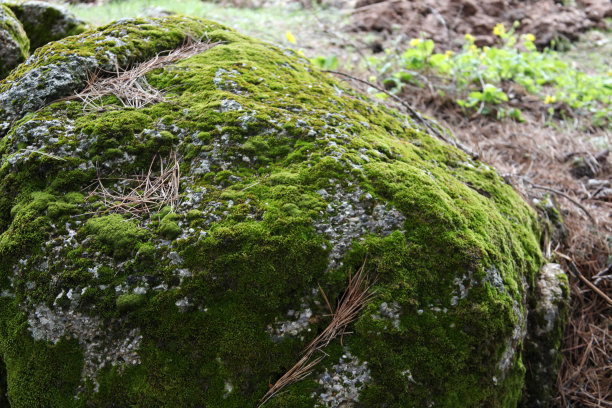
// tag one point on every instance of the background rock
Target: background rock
(45, 22)
(14, 44)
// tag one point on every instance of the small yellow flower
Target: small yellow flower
(414, 42)
(499, 30)
(529, 37)
(448, 53)
(290, 37)
(550, 99)
(469, 38)
(473, 48)
(301, 53)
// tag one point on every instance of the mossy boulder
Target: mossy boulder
(289, 180)
(14, 43)
(45, 22)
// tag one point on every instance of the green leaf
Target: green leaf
(331, 62)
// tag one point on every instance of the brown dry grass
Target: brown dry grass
(357, 294)
(148, 193)
(130, 86)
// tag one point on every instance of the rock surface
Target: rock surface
(289, 181)
(14, 44)
(551, 298)
(45, 22)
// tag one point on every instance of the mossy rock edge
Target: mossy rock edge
(14, 43)
(289, 181)
(45, 22)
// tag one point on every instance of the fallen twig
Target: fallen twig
(350, 304)
(561, 193)
(44, 154)
(412, 112)
(575, 271)
(130, 86)
(601, 274)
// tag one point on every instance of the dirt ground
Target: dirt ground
(446, 21)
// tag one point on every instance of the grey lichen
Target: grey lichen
(546, 323)
(342, 384)
(350, 214)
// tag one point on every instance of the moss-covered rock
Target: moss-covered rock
(45, 22)
(289, 180)
(63, 67)
(546, 323)
(14, 43)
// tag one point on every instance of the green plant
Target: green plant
(478, 77)
(490, 95)
(329, 62)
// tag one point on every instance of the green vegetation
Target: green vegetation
(129, 301)
(270, 24)
(479, 77)
(116, 235)
(168, 227)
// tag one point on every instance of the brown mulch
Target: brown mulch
(446, 21)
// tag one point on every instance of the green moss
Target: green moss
(129, 301)
(260, 187)
(164, 212)
(74, 197)
(115, 235)
(146, 253)
(193, 215)
(58, 366)
(169, 228)
(58, 209)
(40, 200)
(3, 386)
(27, 229)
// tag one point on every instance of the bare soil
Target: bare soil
(446, 21)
